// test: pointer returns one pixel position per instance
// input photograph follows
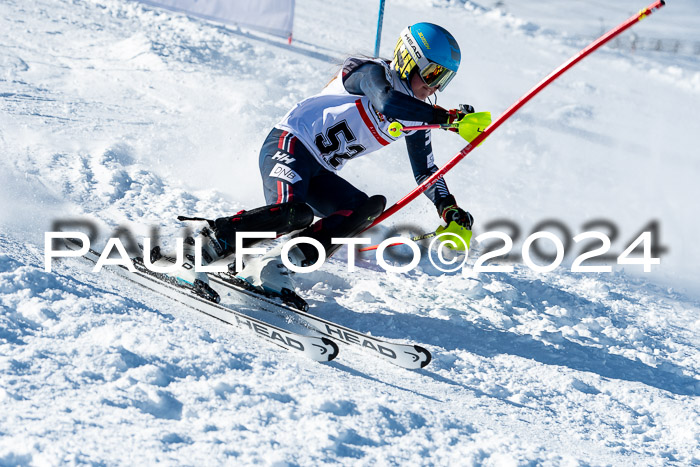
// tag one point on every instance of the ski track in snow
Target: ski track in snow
(129, 116)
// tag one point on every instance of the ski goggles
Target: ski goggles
(435, 75)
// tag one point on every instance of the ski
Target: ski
(322, 349)
(408, 356)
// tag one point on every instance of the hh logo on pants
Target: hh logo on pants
(282, 157)
(285, 173)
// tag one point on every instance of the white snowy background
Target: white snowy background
(129, 115)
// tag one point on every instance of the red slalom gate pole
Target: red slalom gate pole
(515, 107)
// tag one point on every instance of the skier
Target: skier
(349, 118)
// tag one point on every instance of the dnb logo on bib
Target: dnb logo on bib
(285, 173)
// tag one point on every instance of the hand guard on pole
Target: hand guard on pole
(454, 213)
(453, 115)
(458, 115)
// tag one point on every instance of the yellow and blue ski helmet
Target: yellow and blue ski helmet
(431, 50)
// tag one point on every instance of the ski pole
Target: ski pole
(417, 238)
(516, 106)
(468, 127)
(396, 128)
(452, 228)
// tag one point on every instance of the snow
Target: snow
(129, 116)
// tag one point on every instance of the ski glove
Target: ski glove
(453, 115)
(458, 114)
(454, 213)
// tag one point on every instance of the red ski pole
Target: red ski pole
(517, 105)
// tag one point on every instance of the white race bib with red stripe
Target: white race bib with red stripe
(337, 126)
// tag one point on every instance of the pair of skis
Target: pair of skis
(318, 348)
(403, 355)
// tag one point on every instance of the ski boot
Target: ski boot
(268, 275)
(219, 239)
(280, 218)
(186, 276)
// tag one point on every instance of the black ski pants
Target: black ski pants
(290, 173)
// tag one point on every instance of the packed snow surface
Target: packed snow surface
(127, 116)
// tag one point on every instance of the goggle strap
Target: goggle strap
(413, 49)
